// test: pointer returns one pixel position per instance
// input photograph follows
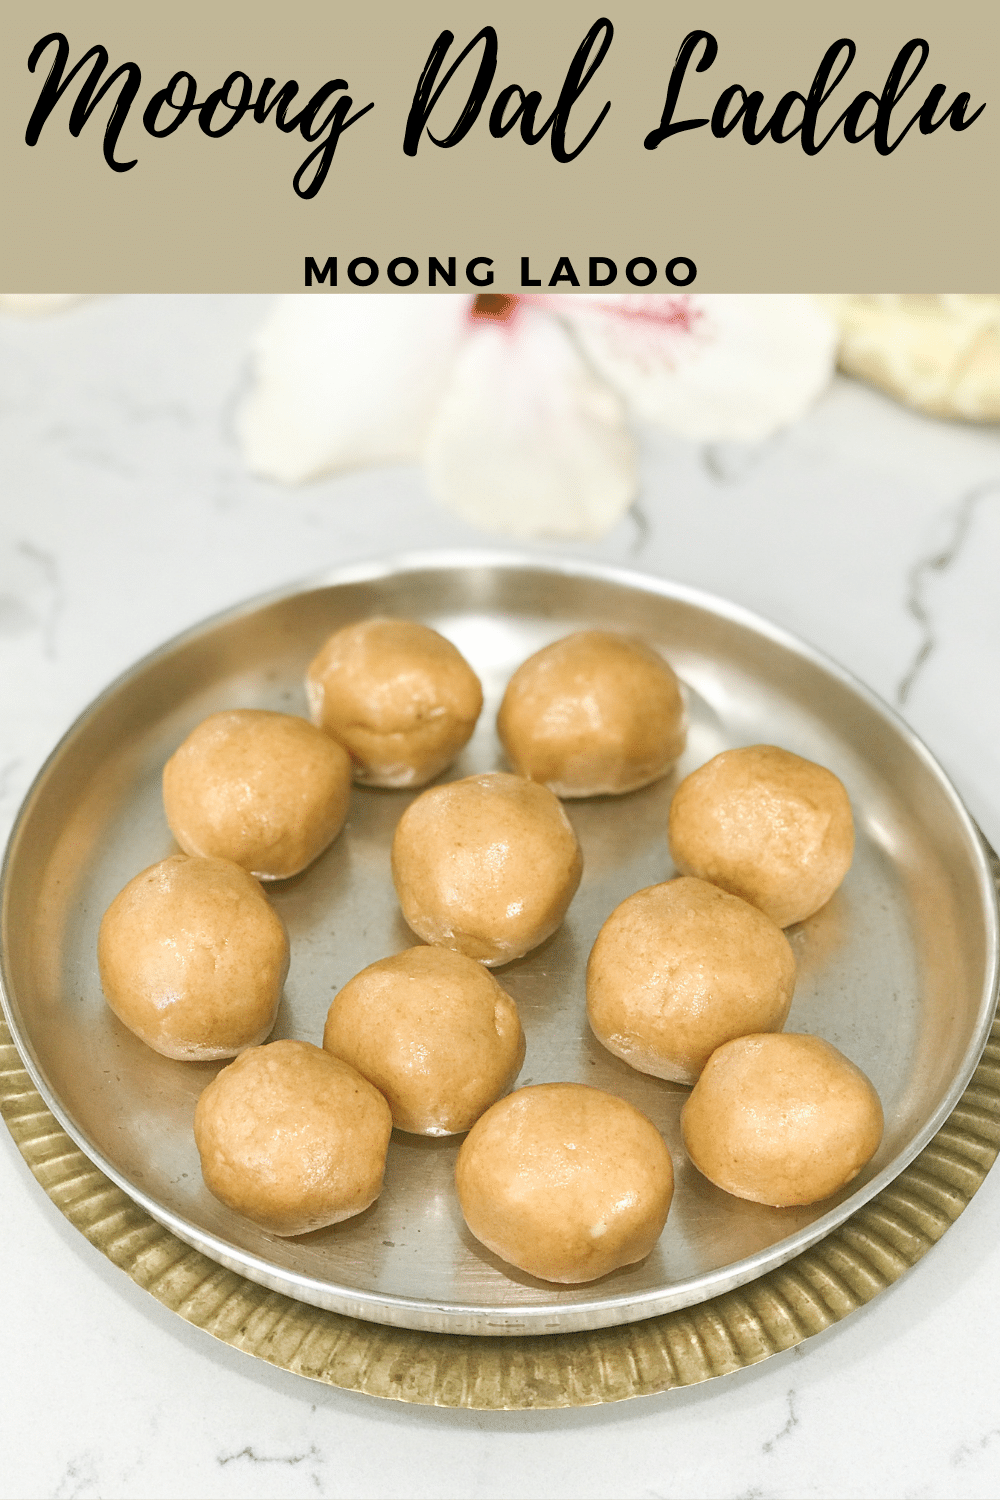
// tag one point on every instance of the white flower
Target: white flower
(526, 438)
(521, 407)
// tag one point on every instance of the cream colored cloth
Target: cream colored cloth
(939, 353)
(33, 304)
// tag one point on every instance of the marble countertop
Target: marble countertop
(126, 515)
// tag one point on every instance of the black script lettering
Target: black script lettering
(851, 119)
(955, 112)
(841, 53)
(579, 74)
(318, 121)
(237, 107)
(611, 268)
(470, 271)
(280, 104)
(436, 269)
(87, 101)
(896, 86)
(181, 107)
(584, 64)
(901, 77)
(721, 127)
(338, 119)
(775, 126)
(424, 101)
(525, 112)
(328, 273)
(747, 112)
(820, 91)
(564, 272)
(668, 126)
(834, 65)
(526, 277)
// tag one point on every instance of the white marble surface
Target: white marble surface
(125, 515)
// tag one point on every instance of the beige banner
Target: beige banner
(734, 147)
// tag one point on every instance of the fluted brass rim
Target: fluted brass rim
(848, 1268)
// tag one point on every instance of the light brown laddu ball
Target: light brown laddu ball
(192, 958)
(596, 712)
(398, 696)
(680, 968)
(766, 825)
(292, 1138)
(565, 1182)
(434, 1032)
(265, 790)
(487, 866)
(781, 1119)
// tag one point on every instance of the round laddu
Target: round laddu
(434, 1032)
(781, 1120)
(398, 696)
(766, 825)
(565, 1182)
(192, 958)
(292, 1138)
(486, 866)
(594, 713)
(266, 790)
(680, 968)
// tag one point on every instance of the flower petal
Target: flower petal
(347, 380)
(711, 368)
(527, 441)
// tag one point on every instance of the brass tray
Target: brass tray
(817, 1289)
(899, 970)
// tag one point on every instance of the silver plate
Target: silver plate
(899, 970)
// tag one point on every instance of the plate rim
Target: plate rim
(626, 1307)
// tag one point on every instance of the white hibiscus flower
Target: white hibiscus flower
(521, 408)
